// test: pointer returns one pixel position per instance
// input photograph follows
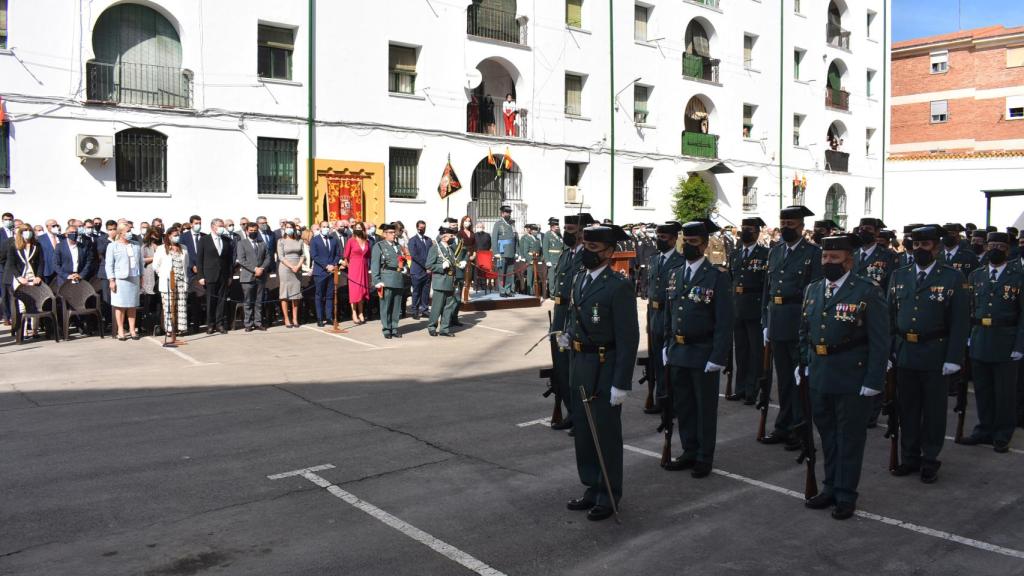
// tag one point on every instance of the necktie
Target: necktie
(830, 290)
(586, 282)
(995, 275)
(687, 274)
(664, 259)
(920, 277)
(746, 253)
(863, 256)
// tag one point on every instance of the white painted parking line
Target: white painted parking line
(340, 337)
(179, 353)
(439, 546)
(978, 544)
(544, 421)
(1014, 450)
(485, 327)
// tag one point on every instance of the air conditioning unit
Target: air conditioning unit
(572, 195)
(98, 147)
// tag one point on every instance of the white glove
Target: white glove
(446, 265)
(950, 368)
(712, 367)
(549, 264)
(562, 339)
(1016, 356)
(796, 375)
(618, 396)
(664, 355)
(869, 392)
(765, 335)
(462, 265)
(888, 366)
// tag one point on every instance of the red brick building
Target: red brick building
(958, 95)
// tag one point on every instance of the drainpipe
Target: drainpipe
(782, 83)
(611, 92)
(311, 118)
(885, 94)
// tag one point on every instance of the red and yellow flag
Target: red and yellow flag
(490, 157)
(508, 159)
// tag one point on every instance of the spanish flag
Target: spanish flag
(508, 159)
(490, 157)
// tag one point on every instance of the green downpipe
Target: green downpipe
(885, 95)
(311, 118)
(611, 92)
(782, 92)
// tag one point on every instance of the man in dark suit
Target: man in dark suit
(73, 258)
(325, 251)
(419, 248)
(214, 263)
(190, 239)
(48, 243)
(253, 264)
(6, 233)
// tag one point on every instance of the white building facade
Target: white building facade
(204, 107)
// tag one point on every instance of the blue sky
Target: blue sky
(917, 18)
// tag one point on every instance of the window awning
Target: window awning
(713, 166)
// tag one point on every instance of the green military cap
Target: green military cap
(1012, 231)
(795, 212)
(605, 234)
(581, 219)
(924, 233)
(844, 242)
(888, 234)
(999, 237)
(991, 229)
(829, 224)
(387, 226)
(971, 226)
(444, 230)
(954, 227)
(979, 234)
(909, 228)
(703, 228)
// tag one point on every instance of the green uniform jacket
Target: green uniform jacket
(788, 278)
(460, 255)
(384, 265)
(503, 235)
(569, 264)
(551, 247)
(605, 315)
(963, 261)
(878, 266)
(658, 277)
(748, 275)
(939, 305)
(905, 259)
(855, 317)
(529, 249)
(442, 279)
(700, 312)
(1002, 305)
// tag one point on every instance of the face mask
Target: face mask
(265, 227)
(467, 225)
(590, 260)
(451, 242)
(790, 235)
(691, 252)
(371, 229)
(55, 229)
(290, 231)
(197, 228)
(950, 241)
(923, 257)
(88, 231)
(254, 235)
(978, 249)
(748, 236)
(26, 234)
(325, 231)
(833, 271)
(867, 237)
(9, 224)
(175, 239)
(662, 245)
(996, 256)
(73, 236)
(231, 229)
(570, 239)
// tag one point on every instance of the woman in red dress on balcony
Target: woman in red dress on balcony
(508, 112)
(357, 261)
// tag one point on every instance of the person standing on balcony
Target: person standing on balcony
(508, 113)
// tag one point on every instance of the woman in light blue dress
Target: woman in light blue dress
(124, 269)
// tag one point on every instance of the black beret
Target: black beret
(670, 227)
(954, 227)
(925, 233)
(552, 221)
(999, 237)
(581, 219)
(506, 208)
(795, 212)
(825, 224)
(753, 222)
(703, 228)
(844, 242)
(606, 234)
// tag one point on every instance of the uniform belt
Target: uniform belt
(694, 339)
(917, 338)
(389, 268)
(601, 350)
(657, 304)
(558, 300)
(828, 349)
(554, 251)
(739, 289)
(989, 322)
(780, 300)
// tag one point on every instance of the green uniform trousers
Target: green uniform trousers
(922, 400)
(995, 391)
(842, 421)
(442, 308)
(608, 421)
(695, 401)
(391, 309)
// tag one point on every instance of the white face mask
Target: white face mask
(55, 229)
(231, 228)
(371, 229)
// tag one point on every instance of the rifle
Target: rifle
(806, 428)
(666, 419)
(597, 446)
(645, 379)
(890, 407)
(764, 385)
(556, 414)
(728, 376)
(961, 400)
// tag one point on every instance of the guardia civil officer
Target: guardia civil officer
(551, 248)
(997, 343)
(442, 262)
(659, 271)
(823, 228)
(979, 244)
(954, 255)
(564, 274)
(844, 339)
(792, 265)
(928, 307)
(699, 337)
(504, 236)
(907, 257)
(748, 264)
(873, 261)
(386, 276)
(604, 335)
(529, 253)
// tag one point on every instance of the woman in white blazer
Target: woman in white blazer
(170, 260)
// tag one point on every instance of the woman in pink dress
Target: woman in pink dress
(357, 261)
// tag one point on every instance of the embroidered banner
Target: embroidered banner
(344, 197)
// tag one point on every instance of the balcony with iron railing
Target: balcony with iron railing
(495, 24)
(837, 99)
(699, 67)
(837, 37)
(708, 3)
(490, 120)
(144, 84)
(750, 199)
(836, 161)
(700, 145)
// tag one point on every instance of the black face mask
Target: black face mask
(662, 245)
(590, 260)
(790, 235)
(569, 238)
(923, 258)
(950, 241)
(996, 256)
(451, 242)
(421, 231)
(73, 236)
(978, 249)
(254, 235)
(867, 237)
(833, 271)
(691, 252)
(748, 236)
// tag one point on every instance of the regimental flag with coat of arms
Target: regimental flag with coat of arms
(449, 181)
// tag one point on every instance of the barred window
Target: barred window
(277, 166)
(140, 158)
(5, 155)
(402, 69)
(275, 52)
(3, 23)
(404, 167)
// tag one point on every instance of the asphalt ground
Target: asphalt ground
(128, 458)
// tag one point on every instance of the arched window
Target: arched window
(835, 205)
(140, 159)
(495, 19)
(492, 188)
(697, 61)
(138, 59)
